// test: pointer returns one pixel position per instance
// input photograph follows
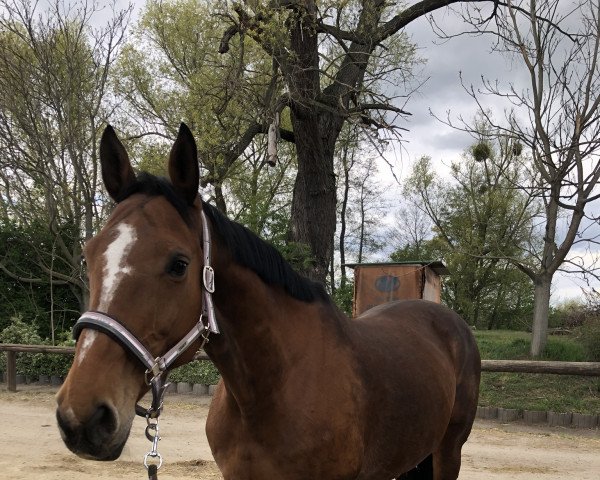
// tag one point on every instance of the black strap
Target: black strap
(152, 472)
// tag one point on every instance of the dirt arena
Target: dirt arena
(32, 448)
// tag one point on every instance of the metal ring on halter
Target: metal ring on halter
(153, 455)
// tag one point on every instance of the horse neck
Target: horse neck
(262, 331)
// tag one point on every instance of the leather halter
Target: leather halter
(157, 367)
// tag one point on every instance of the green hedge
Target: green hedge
(33, 364)
(202, 372)
(590, 338)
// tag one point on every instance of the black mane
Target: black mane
(262, 258)
(247, 248)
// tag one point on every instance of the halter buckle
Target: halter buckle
(156, 370)
(208, 277)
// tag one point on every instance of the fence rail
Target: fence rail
(12, 349)
(589, 369)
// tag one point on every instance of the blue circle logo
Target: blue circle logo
(387, 283)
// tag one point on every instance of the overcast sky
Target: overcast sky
(443, 92)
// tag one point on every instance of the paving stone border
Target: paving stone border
(531, 417)
(185, 388)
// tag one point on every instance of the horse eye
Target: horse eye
(178, 267)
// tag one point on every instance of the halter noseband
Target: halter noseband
(157, 368)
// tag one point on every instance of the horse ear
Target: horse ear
(183, 165)
(117, 173)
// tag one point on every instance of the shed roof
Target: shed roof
(435, 265)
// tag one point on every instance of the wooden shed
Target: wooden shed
(377, 283)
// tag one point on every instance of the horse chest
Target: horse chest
(286, 448)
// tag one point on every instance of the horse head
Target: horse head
(144, 269)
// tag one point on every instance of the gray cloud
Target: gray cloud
(443, 92)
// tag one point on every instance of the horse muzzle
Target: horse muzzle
(100, 437)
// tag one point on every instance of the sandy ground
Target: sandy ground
(31, 447)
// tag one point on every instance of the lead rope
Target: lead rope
(153, 472)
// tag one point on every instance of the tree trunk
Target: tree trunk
(315, 134)
(314, 201)
(361, 239)
(541, 308)
(343, 279)
(220, 198)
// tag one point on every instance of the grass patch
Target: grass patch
(510, 345)
(532, 391)
(525, 391)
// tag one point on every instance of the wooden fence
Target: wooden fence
(590, 369)
(12, 349)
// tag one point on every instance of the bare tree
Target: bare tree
(361, 205)
(556, 118)
(347, 155)
(54, 70)
(322, 94)
(411, 228)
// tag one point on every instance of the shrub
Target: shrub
(20, 332)
(343, 298)
(590, 338)
(33, 364)
(509, 345)
(55, 364)
(569, 314)
(202, 372)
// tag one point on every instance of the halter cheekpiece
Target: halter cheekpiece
(157, 367)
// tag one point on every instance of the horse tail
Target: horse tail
(423, 471)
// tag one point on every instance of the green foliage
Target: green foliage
(171, 70)
(259, 195)
(35, 364)
(53, 81)
(297, 254)
(570, 314)
(343, 297)
(481, 151)
(424, 251)
(24, 249)
(200, 371)
(54, 364)
(582, 319)
(20, 332)
(590, 337)
(512, 345)
(559, 393)
(481, 225)
(564, 350)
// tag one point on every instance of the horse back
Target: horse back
(416, 359)
(415, 330)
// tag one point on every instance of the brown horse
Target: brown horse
(306, 393)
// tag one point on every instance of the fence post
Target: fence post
(11, 371)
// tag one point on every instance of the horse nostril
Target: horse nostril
(64, 425)
(101, 425)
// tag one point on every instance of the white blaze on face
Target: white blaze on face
(88, 338)
(115, 265)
